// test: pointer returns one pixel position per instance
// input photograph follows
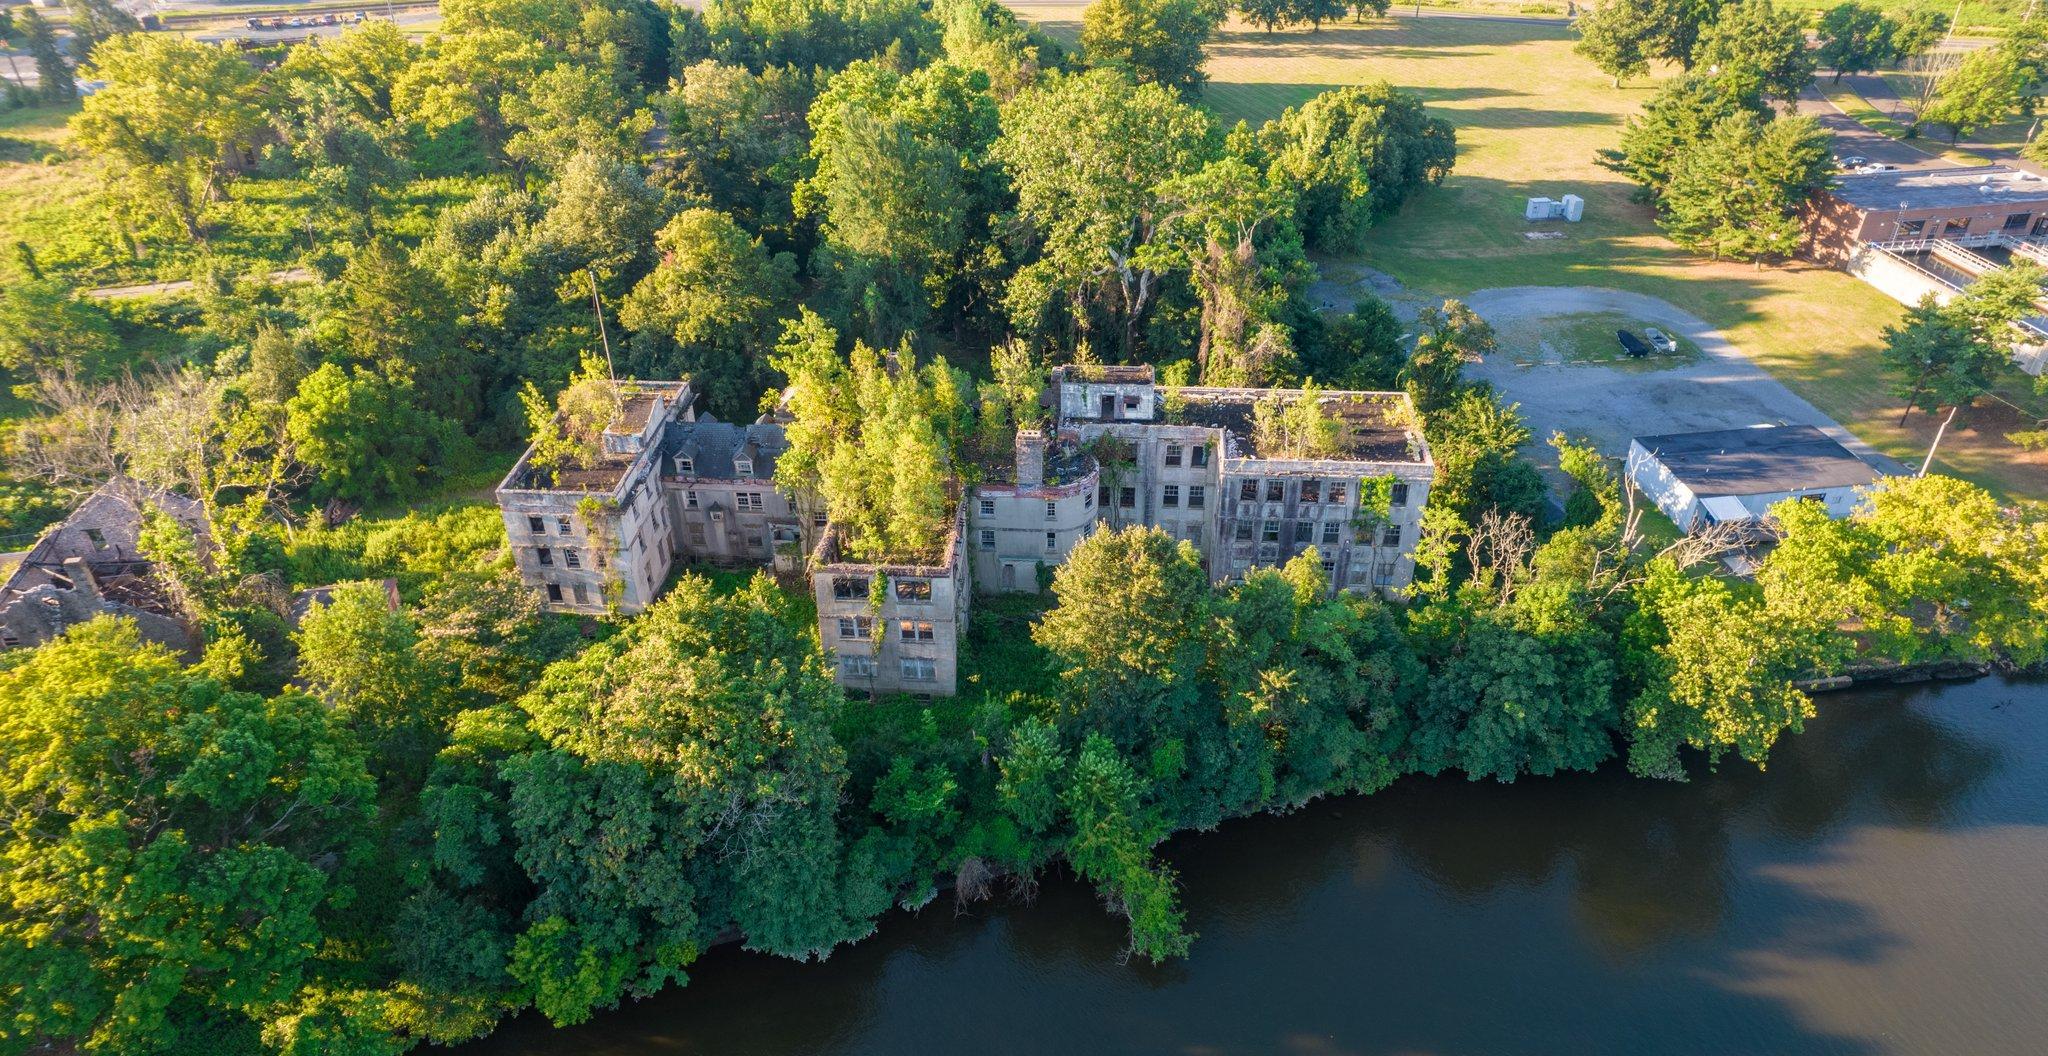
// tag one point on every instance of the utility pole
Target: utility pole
(602, 335)
(1937, 439)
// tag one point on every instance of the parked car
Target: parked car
(1631, 344)
(255, 23)
(360, 17)
(328, 20)
(277, 23)
(1661, 341)
(1876, 166)
(1851, 161)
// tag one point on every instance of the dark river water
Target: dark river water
(1883, 888)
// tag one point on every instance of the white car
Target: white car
(1876, 166)
(1660, 340)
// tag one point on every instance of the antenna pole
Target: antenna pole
(602, 335)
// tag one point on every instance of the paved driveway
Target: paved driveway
(1722, 390)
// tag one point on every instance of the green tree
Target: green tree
(1353, 155)
(1752, 43)
(1618, 37)
(1625, 32)
(1122, 630)
(708, 310)
(387, 313)
(1361, 349)
(873, 440)
(54, 79)
(690, 785)
(1450, 337)
(986, 36)
(1677, 119)
(1085, 154)
(1720, 672)
(736, 137)
(1214, 220)
(360, 68)
(601, 215)
(1995, 303)
(44, 328)
(1112, 847)
(1738, 192)
(902, 188)
(366, 662)
(169, 863)
(1854, 38)
(1936, 358)
(166, 122)
(1987, 88)
(1915, 32)
(465, 82)
(572, 108)
(1503, 702)
(95, 21)
(365, 437)
(1152, 41)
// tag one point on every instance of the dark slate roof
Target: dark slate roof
(1991, 185)
(117, 521)
(711, 446)
(1758, 461)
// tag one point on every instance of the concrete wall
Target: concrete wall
(1353, 563)
(1013, 529)
(1310, 503)
(932, 601)
(1129, 401)
(1895, 278)
(713, 524)
(621, 561)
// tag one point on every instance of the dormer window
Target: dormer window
(743, 466)
(685, 466)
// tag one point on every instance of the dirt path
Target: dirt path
(1723, 389)
(150, 289)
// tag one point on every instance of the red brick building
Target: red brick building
(1961, 205)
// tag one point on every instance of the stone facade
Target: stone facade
(890, 628)
(600, 539)
(1122, 451)
(720, 480)
(1186, 462)
(1022, 527)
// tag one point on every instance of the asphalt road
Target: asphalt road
(1851, 138)
(1608, 405)
(404, 17)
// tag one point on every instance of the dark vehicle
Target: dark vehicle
(1635, 346)
(256, 23)
(328, 20)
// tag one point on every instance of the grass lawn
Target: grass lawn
(1530, 117)
(1586, 337)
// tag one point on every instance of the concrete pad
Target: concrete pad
(1608, 406)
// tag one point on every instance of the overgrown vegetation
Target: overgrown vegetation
(395, 825)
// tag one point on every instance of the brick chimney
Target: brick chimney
(1030, 458)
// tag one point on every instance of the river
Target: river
(1882, 889)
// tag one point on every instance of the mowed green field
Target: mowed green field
(1531, 117)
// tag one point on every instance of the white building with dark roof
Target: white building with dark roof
(1736, 475)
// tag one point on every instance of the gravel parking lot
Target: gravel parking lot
(1720, 390)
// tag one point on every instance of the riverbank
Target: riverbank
(1869, 895)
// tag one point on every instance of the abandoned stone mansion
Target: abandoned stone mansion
(1120, 449)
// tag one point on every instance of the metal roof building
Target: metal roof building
(1727, 475)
